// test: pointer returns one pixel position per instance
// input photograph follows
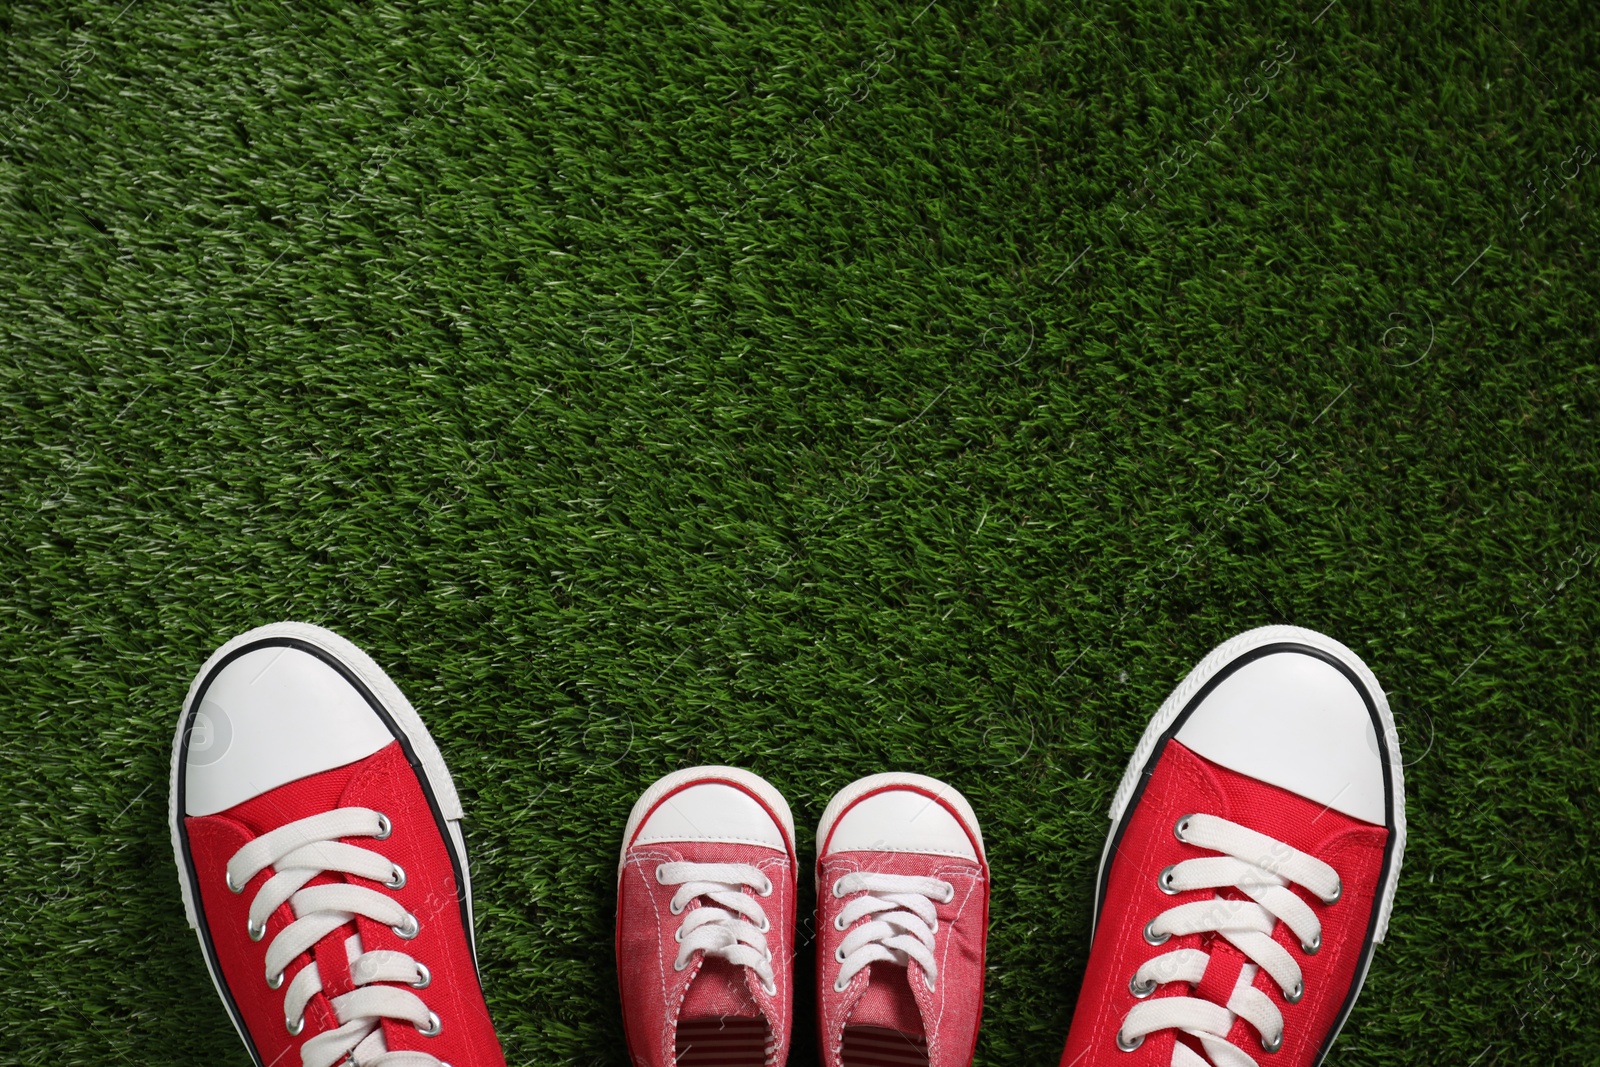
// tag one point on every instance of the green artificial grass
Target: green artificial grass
(817, 388)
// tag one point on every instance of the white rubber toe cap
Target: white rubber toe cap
(723, 805)
(900, 813)
(710, 812)
(269, 717)
(1295, 721)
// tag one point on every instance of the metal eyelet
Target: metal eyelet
(1141, 991)
(679, 965)
(767, 952)
(408, 928)
(1180, 826)
(1164, 881)
(295, 1027)
(385, 827)
(839, 923)
(766, 925)
(1274, 1044)
(1313, 948)
(770, 990)
(424, 977)
(433, 1027)
(949, 893)
(927, 983)
(275, 981)
(256, 932)
(677, 935)
(838, 988)
(398, 879)
(1149, 935)
(1126, 1045)
(836, 891)
(838, 954)
(660, 880)
(1338, 891)
(1293, 996)
(228, 878)
(767, 892)
(674, 907)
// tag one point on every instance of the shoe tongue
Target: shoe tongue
(888, 1001)
(718, 992)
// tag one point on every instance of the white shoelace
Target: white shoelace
(299, 852)
(735, 929)
(902, 928)
(1262, 868)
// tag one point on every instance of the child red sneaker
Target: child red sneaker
(705, 920)
(1254, 851)
(319, 850)
(903, 918)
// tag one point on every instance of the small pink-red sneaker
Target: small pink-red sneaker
(318, 840)
(903, 919)
(1254, 851)
(705, 922)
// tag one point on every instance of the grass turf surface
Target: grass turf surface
(820, 389)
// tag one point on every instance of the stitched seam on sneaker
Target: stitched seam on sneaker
(831, 869)
(976, 876)
(667, 1038)
(779, 1028)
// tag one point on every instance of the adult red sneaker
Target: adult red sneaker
(705, 922)
(319, 849)
(903, 920)
(1254, 851)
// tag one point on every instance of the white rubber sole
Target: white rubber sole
(399, 709)
(859, 788)
(671, 783)
(1214, 662)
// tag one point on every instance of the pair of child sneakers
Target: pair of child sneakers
(1255, 847)
(706, 890)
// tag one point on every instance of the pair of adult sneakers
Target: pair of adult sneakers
(1255, 845)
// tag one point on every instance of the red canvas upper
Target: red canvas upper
(897, 998)
(1183, 784)
(655, 997)
(384, 782)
